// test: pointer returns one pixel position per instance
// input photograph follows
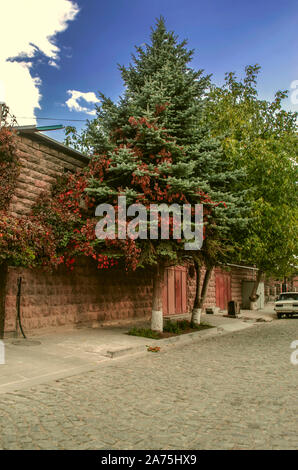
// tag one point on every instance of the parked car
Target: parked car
(286, 304)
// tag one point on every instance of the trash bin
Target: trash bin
(233, 308)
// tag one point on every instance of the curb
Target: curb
(173, 340)
(188, 337)
(127, 351)
(179, 340)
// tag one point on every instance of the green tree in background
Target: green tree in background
(260, 137)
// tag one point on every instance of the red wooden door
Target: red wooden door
(175, 291)
(222, 289)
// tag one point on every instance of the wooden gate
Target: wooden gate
(222, 289)
(175, 291)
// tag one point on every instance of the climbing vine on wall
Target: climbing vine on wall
(9, 166)
(24, 241)
(68, 212)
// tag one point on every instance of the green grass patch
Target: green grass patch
(171, 328)
(145, 332)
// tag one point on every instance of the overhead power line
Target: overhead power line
(52, 119)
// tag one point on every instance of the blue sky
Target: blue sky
(87, 38)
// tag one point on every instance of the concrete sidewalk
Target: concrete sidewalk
(68, 352)
(266, 314)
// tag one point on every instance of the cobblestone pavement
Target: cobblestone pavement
(237, 391)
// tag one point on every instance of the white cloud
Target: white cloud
(75, 96)
(27, 28)
(52, 63)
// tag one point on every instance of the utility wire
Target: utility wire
(52, 119)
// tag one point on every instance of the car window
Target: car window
(288, 296)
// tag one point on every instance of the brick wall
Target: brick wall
(88, 295)
(85, 295)
(273, 287)
(40, 166)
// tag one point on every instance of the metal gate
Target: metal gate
(175, 291)
(222, 289)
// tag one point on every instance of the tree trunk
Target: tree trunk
(205, 286)
(196, 311)
(200, 294)
(254, 296)
(3, 280)
(157, 313)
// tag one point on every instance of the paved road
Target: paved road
(237, 391)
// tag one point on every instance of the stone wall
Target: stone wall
(83, 296)
(90, 296)
(40, 166)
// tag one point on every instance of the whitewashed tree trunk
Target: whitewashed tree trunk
(196, 316)
(200, 293)
(157, 320)
(157, 313)
(253, 305)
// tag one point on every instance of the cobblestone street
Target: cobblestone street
(237, 391)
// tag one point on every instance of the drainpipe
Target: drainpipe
(18, 305)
